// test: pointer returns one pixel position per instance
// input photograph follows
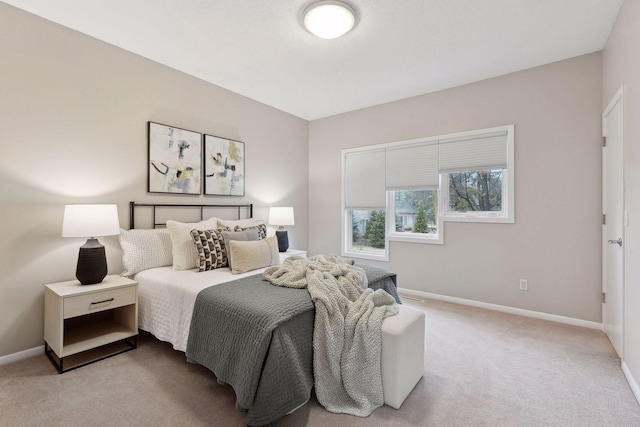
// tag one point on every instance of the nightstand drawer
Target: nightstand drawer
(98, 301)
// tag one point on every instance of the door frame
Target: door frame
(618, 98)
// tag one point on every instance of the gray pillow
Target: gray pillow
(262, 230)
(243, 236)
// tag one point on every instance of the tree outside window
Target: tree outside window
(375, 230)
(477, 191)
(368, 231)
(416, 211)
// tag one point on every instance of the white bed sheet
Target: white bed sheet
(166, 298)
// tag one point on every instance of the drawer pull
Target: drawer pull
(102, 302)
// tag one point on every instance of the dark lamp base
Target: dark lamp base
(92, 263)
(283, 240)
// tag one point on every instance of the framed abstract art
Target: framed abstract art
(223, 166)
(175, 160)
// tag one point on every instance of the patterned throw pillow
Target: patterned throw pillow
(262, 230)
(211, 249)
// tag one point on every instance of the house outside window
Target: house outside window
(416, 216)
(405, 216)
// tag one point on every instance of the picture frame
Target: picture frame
(224, 166)
(175, 160)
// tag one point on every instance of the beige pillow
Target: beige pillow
(250, 255)
(185, 256)
(251, 234)
(237, 223)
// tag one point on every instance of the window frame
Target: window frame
(507, 215)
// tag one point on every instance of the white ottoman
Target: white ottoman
(402, 354)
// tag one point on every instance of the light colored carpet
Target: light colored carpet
(482, 368)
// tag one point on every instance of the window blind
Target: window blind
(412, 167)
(480, 152)
(365, 180)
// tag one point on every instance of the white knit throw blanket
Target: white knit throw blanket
(347, 336)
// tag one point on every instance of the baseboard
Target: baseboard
(9, 358)
(504, 309)
(420, 294)
(632, 382)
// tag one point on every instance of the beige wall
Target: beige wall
(555, 241)
(621, 66)
(73, 130)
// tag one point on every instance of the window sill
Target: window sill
(478, 218)
(428, 239)
(366, 255)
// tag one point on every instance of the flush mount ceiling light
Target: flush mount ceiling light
(329, 19)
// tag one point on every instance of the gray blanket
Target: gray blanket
(381, 278)
(270, 366)
(259, 339)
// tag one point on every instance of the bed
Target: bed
(264, 350)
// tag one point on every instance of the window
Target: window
(415, 216)
(404, 191)
(475, 191)
(365, 202)
(475, 195)
(477, 175)
(368, 233)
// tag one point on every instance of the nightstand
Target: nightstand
(292, 252)
(79, 317)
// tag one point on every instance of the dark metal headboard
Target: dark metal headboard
(155, 206)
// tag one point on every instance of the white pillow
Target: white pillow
(144, 249)
(185, 256)
(250, 255)
(238, 222)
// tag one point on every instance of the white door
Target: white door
(612, 229)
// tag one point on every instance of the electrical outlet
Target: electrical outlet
(524, 285)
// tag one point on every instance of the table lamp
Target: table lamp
(91, 221)
(281, 217)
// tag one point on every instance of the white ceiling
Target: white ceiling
(398, 48)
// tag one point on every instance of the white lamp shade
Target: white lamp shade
(281, 216)
(329, 19)
(90, 221)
